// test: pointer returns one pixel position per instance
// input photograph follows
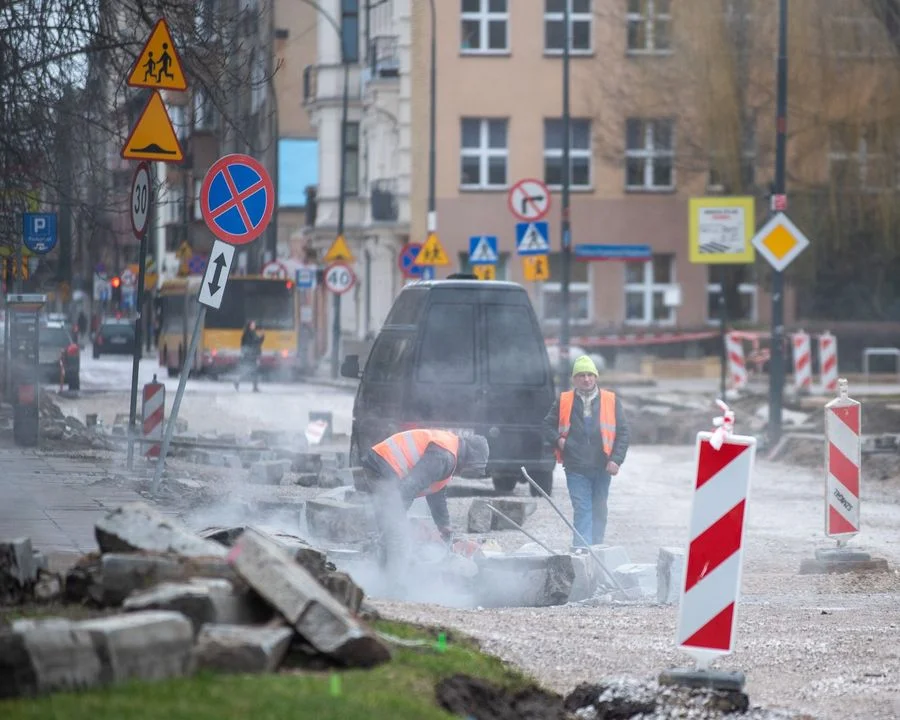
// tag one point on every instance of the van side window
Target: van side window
(515, 348)
(387, 360)
(448, 344)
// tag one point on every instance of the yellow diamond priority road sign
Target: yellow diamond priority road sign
(780, 241)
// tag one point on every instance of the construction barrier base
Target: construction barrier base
(711, 679)
(842, 560)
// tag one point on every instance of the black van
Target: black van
(463, 355)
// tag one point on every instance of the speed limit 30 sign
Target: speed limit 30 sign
(339, 278)
(140, 200)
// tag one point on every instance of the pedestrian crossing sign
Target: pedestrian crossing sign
(532, 238)
(432, 252)
(483, 250)
(158, 66)
(720, 230)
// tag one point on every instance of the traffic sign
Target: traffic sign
(485, 272)
(406, 260)
(529, 200)
(432, 252)
(237, 199)
(153, 137)
(39, 232)
(212, 289)
(720, 229)
(536, 267)
(140, 199)
(158, 66)
(339, 251)
(305, 277)
(483, 250)
(339, 278)
(275, 269)
(196, 265)
(532, 238)
(128, 277)
(779, 241)
(639, 253)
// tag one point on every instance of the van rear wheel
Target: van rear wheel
(505, 484)
(544, 480)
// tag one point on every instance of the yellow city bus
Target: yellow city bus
(271, 302)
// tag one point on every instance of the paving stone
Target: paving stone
(638, 580)
(320, 619)
(343, 589)
(585, 583)
(222, 535)
(48, 588)
(338, 521)
(241, 649)
(306, 479)
(480, 519)
(192, 600)
(612, 556)
(268, 472)
(516, 509)
(669, 575)
(18, 570)
(525, 581)
(139, 527)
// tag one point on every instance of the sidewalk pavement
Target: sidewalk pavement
(55, 500)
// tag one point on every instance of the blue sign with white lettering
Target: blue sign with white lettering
(483, 250)
(39, 232)
(636, 253)
(305, 278)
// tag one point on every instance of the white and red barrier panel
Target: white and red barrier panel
(802, 361)
(153, 409)
(737, 366)
(828, 367)
(843, 461)
(714, 559)
(315, 431)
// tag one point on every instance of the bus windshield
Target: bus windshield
(269, 302)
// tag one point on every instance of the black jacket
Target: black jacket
(251, 343)
(584, 447)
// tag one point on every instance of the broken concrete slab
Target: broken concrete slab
(637, 579)
(192, 600)
(307, 479)
(301, 462)
(333, 477)
(39, 560)
(139, 527)
(338, 521)
(151, 645)
(241, 649)
(525, 581)
(585, 583)
(317, 616)
(343, 589)
(48, 587)
(611, 556)
(268, 472)
(18, 571)
(223, 536)
(814, 566)
(669, 575)
(480, 519)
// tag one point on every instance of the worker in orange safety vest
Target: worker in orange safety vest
(587, 428)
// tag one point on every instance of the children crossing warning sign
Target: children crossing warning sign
(536, 267)
(339, 251)
(432, 252)
(158, 66)
(153, 137)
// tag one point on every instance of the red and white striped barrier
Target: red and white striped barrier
(153, 409)
(737, 367)
(828, 367)
(714, 558)
(802, 361)
(842, 465)
(315, 431)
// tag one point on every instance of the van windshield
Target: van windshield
(515, 349)
(448, 344)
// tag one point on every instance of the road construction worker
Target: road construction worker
(587, 428)
(417, 463)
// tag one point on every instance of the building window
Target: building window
(198, 213)
(857, 158)
(350, 31)
(725, 177)
(484, 153)
(174, 201)
(645, 291)
(204, 112)
(579, 292)
(351, 159)
(581, 23)
(579, 153)
(747, 311)
(177, 115)
(502, 264)
(649, 154)
(649, 26)
(484, 26)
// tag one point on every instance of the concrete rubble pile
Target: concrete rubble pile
(173, 602)
(55, 426)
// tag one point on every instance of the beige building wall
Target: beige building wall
(291, 55)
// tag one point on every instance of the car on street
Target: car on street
(57, 346)
(115, 336)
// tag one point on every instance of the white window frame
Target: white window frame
(575, 288)
(174, 200)
(751, 289)
(649, 153)
(649, 21)
(484, 152)
(574, 17)
(198, 212)
(202, 112)
(647, 287)
(484, 17)
(862, 157)
(177, 115)
(574, 153)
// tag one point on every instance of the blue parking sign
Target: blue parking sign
(39, 232)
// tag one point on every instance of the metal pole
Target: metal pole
(336, 301)
(182, 381)
(566, 235)
(776, 363)
(723, 331)
(522, 530)
(432, 128)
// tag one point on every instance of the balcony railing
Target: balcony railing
(325, 83)
(384, 201)
(384, 57)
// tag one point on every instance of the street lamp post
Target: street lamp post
(432, 127)
(566, 227)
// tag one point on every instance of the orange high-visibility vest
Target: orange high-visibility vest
(403, 450)
(607, 418)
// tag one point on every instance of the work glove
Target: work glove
(446, 534)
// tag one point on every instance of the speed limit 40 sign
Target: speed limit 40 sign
(339, 278)
(140, 200)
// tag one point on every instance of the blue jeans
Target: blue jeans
(589, 494)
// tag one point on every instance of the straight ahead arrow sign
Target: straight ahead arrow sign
(212, 290)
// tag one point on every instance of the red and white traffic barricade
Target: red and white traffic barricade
(802, 361)
(737, 366)
(714, 559)
(843, 460)
(315, 431)
(828, 367)
(153, 409)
